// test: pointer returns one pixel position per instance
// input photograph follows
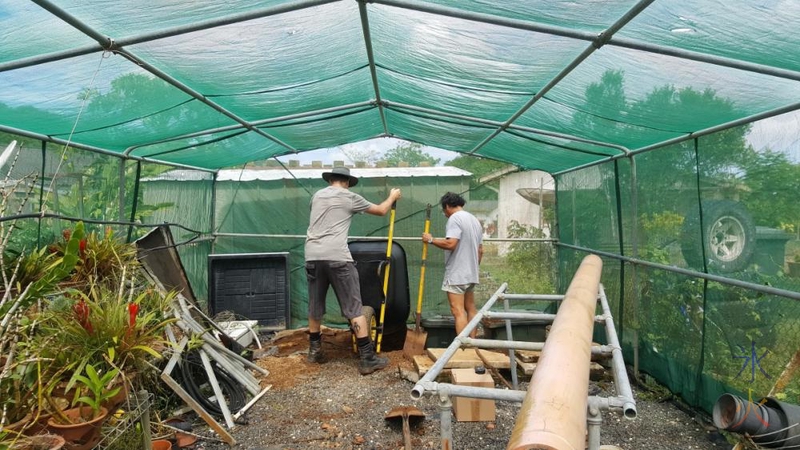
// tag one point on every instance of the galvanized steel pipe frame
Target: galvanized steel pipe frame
(623, 403)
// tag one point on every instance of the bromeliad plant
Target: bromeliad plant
(101, 258)
(108, 329)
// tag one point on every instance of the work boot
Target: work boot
(315, 354)
(369, 361)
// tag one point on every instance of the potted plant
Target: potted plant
(109, 328)
(82, 424)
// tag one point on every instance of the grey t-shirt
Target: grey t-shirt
(461, 264)
(332, 209)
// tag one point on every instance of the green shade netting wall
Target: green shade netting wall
(700, 338)
(281, 207)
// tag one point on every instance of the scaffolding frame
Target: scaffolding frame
(623, 403)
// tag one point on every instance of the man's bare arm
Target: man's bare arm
(385, 206)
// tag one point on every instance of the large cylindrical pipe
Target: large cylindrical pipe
(553, 415)
(769, 423)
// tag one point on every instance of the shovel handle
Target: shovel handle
(386, 278)
(422, 267)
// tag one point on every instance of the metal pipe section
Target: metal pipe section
(706, 276)
(404, 238)
(594, 422)
(600, 350)
(373, 71)
(446, 421)
(519, 316)
(487, 393)
(554, 413)
(552, 298)
(419, 389)
(621, 381)
(512, 357)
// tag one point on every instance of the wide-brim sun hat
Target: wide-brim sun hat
(341, 171)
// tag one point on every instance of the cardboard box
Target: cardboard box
(472, 409)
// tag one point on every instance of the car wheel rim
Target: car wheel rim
(726, 238)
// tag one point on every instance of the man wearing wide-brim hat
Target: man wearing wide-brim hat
(328, 262)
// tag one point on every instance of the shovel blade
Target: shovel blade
(415, 343)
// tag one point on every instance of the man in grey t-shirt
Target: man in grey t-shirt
(328, 262)
(463, 251)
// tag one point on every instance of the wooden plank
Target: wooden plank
(212, 379)
(423, 364)
(528, 356)
(527, 367)
(462, 359)
(495, 360)
(467, 358)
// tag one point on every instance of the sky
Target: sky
(380, 146)
(780, 133)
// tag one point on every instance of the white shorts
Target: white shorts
(459, 289)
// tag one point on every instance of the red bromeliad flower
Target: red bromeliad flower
(81, 310)
(82, 246)
(133, 309)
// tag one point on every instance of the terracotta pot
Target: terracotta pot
(79, 432)
(162, 444)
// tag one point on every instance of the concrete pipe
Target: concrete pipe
(553, 415)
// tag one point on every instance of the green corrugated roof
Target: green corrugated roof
(545, 85)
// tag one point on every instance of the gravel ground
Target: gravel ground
(332, 406)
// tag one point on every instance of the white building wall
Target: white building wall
(513, 206)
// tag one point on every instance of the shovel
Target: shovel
(415, 341)
(404, 412)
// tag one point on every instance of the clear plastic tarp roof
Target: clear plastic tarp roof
(212, 84)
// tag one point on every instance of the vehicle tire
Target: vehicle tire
(729, 237)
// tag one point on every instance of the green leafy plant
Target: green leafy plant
(107, 328)
(101, 258)
(97, 387)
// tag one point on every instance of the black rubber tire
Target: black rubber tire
(729, 237)
(394, 337)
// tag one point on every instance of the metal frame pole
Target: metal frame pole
(438, 366)
(373, 72)
(621, 381)
(706, 276)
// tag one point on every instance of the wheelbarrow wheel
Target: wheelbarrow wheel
(369, 315)
(372, 322)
